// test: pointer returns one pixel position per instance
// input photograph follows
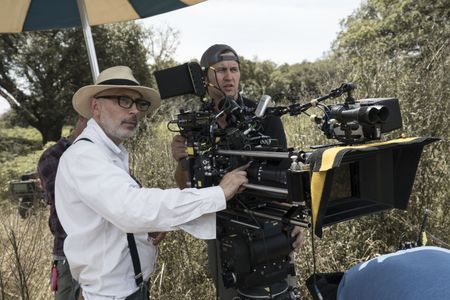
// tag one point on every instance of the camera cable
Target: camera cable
(316, 288)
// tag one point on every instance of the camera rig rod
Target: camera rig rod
(265, 188)
(276, 218)
(263, 154)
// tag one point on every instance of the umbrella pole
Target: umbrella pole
(88, 39)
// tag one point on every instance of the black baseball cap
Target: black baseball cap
(213, 55)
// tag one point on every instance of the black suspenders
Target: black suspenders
(131, 243)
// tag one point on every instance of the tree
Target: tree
(305, 79)
(402, 49)
(256, 76)
(393, 37)
(40, 71)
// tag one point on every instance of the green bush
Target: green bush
(390, 49)
(20, 149)
(11, 119)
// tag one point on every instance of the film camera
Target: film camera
(289, 187)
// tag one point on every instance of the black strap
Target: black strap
(133, 251)
(83, 139)
(137, 181)
(131, 244)
(135, 259)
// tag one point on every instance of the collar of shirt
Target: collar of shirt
(95, 133)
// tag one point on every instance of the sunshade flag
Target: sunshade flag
(28, 15)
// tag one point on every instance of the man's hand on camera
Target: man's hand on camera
(179, 148)
(232, 182)
(299, 234)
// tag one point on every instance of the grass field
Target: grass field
(182, 265)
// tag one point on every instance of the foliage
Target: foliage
(306, 80)
(14, 168)
(11, 118)
(389, 48)
(24, 270)
(16, 143)
(161, 45)
(20, 149)
(42, 70)
(402, 49)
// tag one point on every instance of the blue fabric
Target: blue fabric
(51, 14)
(48, 14)
(418, 273)
(147, 8)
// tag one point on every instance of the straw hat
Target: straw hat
(115, 77)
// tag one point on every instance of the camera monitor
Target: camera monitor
(181, 80)
(351, 181)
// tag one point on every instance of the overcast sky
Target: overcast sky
(283, 31)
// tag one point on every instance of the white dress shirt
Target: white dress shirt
(98, 203)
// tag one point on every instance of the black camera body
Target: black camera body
(254, 256)
(290, 187)
(254, 232)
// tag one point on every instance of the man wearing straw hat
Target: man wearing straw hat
(106, 214)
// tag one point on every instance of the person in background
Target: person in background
(62, 284)
(222, 72)
(111, 221)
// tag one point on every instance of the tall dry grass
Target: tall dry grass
(25, 255)
(181, 271)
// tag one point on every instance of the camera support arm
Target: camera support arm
(296, 109)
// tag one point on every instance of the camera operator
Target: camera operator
(62, 284)
(106, 214)
(222, 71)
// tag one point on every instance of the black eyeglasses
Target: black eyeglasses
(127, 102)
